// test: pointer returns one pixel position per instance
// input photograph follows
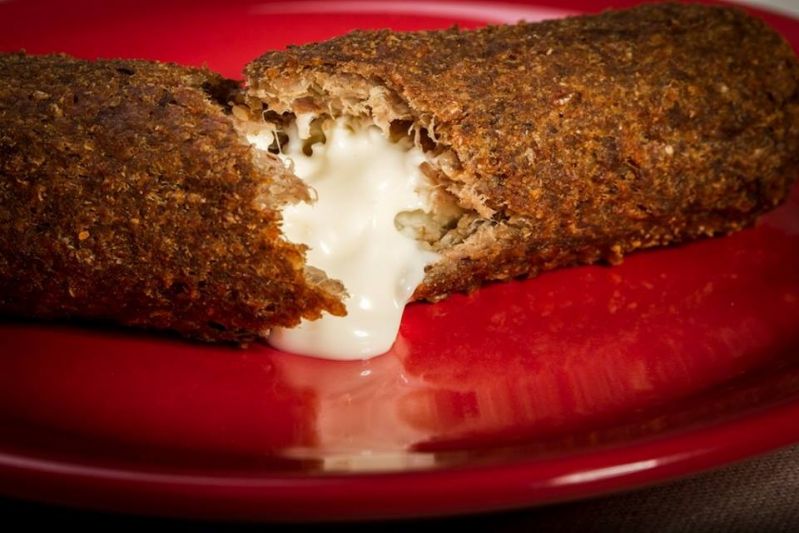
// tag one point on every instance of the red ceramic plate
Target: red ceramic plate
(580, 382)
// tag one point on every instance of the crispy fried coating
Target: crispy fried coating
(575, 140)
(127, 195)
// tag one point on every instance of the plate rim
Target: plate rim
(448, 491)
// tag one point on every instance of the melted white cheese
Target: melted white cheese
(362, 181)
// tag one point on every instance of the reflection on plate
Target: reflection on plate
(579, 382)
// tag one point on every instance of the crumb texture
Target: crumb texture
(570, 141)
(126, 194)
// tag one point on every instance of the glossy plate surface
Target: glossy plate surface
(580, 382)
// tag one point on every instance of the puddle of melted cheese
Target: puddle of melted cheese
(362, 181)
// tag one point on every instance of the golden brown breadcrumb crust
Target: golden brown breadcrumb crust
(579, 139)
(126, 194)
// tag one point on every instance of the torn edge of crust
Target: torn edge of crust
(284, 188)
(460, 223)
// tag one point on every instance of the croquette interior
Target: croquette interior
(456, 215)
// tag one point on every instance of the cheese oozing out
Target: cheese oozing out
(362, 181)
